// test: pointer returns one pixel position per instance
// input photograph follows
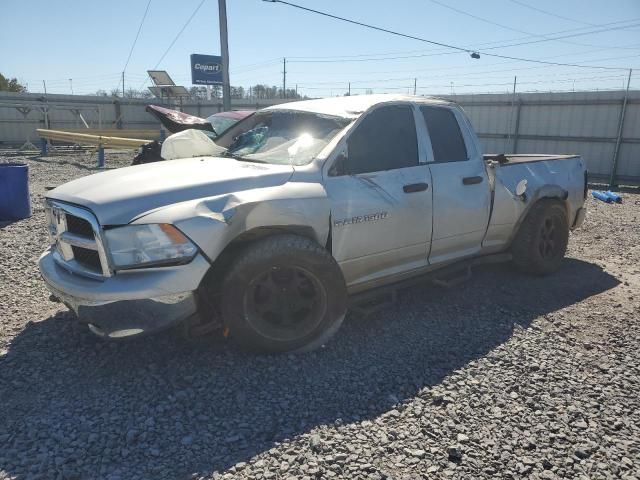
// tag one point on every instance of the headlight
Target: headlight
(137, 246)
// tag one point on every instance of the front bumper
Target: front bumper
(131, 302)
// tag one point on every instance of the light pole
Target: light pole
(224, 46)
(71, 85)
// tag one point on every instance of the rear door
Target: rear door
(461, 193)
(381, 203)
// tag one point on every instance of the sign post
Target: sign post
(224, 46)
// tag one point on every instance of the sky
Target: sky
(89, 41)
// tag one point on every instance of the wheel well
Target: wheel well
(228, 254)
(557, 199)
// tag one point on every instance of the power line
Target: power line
(506, 27)
(431, 77)
(475, 72)
(531, 7)
(133, 45)
(135, 40)
(179, 33)
(500, 44)
(472, 67)
(453, 47)
(175, 39)
(546, 39)
(373, 27)
(618, 27)
(428, 85)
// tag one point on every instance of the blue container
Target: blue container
(602, 196)
(613, 196)
(15, 202)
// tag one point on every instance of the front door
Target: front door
(381, 203)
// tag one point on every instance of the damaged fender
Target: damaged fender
(219, 220)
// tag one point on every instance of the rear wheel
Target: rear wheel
(283, 293)
(541, 242)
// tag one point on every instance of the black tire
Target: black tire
(283, 293)
(541, 242)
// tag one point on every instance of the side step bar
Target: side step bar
(371, 301)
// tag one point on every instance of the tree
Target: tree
(11, 85)
(198, 93)
(237, 92)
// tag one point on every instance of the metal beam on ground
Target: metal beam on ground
(85, 139)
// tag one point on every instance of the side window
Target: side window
(446, 137)
(385, 140)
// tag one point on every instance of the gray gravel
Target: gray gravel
(507, 376)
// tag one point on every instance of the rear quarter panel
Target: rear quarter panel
(562, 179)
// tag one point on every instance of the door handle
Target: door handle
(471, 180)
(415, 187)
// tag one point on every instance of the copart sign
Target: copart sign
(206, 69)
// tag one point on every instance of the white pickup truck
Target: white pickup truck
(267, 231)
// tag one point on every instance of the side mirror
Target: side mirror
(340, 166)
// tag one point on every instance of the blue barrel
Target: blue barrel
(15, 202)
(602, 196)
(613, 196)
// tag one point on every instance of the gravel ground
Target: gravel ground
(506, 376)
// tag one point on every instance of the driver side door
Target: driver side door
(381, 199)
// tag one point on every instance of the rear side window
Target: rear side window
(385, 140)
(446, 137)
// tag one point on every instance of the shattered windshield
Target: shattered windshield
(284, 137)
(220, 123)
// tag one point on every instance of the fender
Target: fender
(543, 192)
(213, 223)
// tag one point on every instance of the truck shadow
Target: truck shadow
(161, 407)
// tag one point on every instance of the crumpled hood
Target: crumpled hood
(118, 196)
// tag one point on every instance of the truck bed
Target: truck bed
(525, 158)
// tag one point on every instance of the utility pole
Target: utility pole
(284, 78)
(296, 90)
(45, 86)
(616, 152)
(224, 45)
(71, 85)
(122, 84)
(415, 85)
(513, 102)
(349, 92)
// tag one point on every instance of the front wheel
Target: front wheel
(283, 293)
(542, 239)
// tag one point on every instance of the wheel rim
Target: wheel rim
(285, 303)
(549, 240)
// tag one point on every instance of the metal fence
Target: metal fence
(21, 114)
(588, 123)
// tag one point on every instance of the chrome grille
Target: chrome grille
(79, 226)
(76, 240)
